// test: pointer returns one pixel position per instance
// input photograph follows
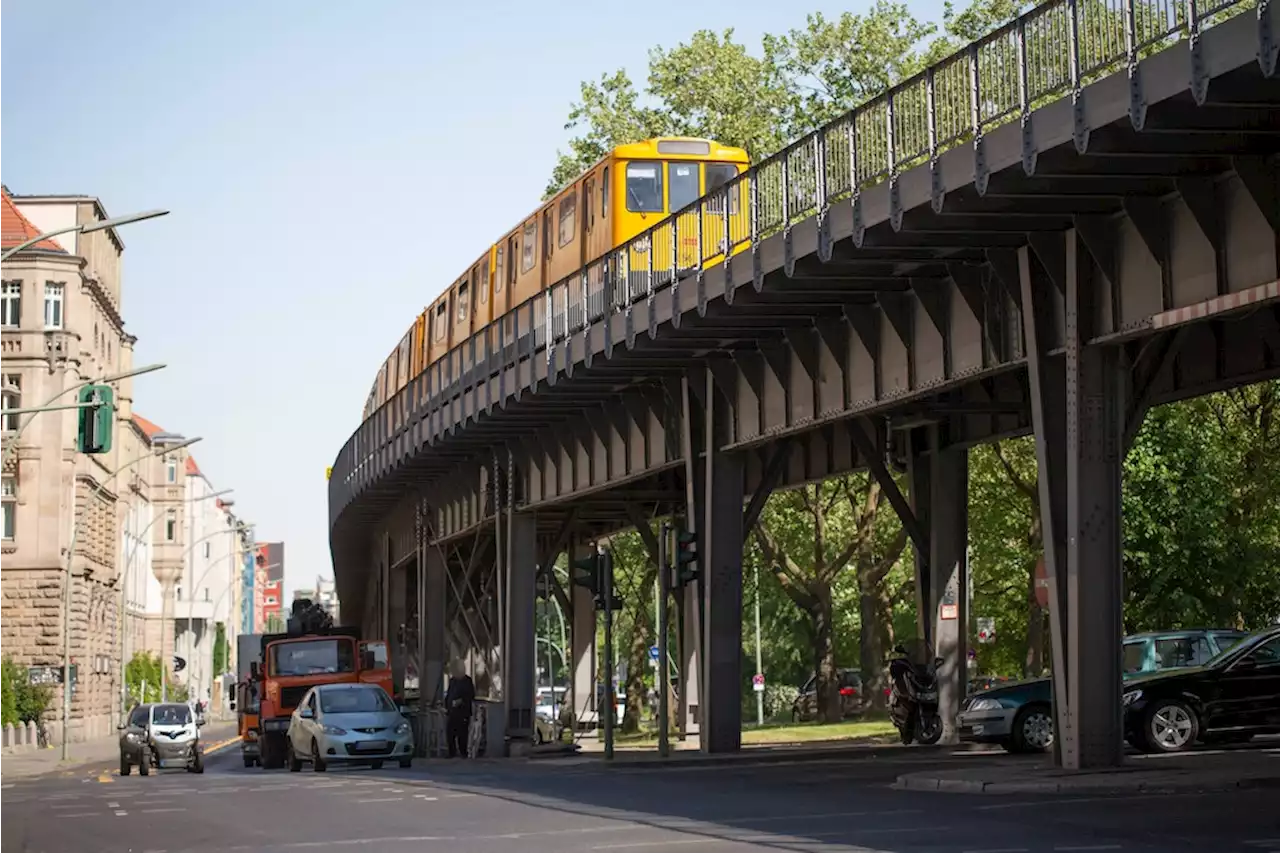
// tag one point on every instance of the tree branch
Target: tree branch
(1018, 483)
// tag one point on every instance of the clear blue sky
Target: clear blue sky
(330, 166)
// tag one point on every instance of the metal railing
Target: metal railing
(1051, 51)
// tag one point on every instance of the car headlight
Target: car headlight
(132, 737)
(403, 728)
(1131, 697)
(333, 730)
(985, 705)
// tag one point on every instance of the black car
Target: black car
(1229, 699)
(849, 683)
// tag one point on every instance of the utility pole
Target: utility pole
(759, 654)
(663, 677)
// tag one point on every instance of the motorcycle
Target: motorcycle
(913, 694)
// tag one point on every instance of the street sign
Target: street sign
(1042, 583)
(179, 664)
(757, 683)
(950, 611)
(653, 653)
(986, 629)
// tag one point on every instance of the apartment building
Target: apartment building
(61, 324)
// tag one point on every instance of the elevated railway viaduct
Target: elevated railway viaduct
(983, 252)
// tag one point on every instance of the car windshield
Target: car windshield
(171, 715)
(355, 700)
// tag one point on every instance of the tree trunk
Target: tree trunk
(642, 636)
(875, 632)
(1033, 663)
(824, 648)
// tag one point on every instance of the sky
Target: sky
(330, 168)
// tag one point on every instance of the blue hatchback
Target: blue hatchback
(1019, 716)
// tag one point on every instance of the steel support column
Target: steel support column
(1078, 417)
(721, 558)
(949, 570)
(689, 600)
(431, 592)
(519, 656)
(583, 641)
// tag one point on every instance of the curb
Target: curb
(913, 782)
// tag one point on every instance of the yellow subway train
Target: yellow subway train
(629, 191)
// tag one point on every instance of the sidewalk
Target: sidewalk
(685, 755)
(1197, 771)
(99, 753)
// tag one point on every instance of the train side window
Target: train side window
(604, 192)
(500, 271)
(719, 174)
(463, 303)
(529, 245)
(568, 217)
(548, 242)
(588, 201)
(442, 319)
(482, 285)
(644, 187)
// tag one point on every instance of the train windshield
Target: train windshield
(314, 657)
(683, 185)
(644, 187)
(719, 174)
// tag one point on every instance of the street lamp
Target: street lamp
(86, 228)
(171, 442)
(128, 570)
(191, 600)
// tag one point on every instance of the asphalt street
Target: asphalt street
(842, 806)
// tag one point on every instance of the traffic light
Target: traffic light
(606, 584)
(97, 419)
(586, 572)
(686, 557)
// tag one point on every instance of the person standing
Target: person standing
(458, 701)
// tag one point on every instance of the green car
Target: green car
(1019, 716)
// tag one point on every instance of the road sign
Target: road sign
(179, 664)
(757, 682)
(950, 611)
(986, 629)
(653, 653)
(1042, 583)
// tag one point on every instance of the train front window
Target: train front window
(644, 187)
(683, 185)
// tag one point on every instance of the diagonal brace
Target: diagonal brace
(875, 463)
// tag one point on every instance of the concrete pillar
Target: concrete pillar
(720, 556)
(431, 605)
(520, 654)
(583, 643)
(948, 567)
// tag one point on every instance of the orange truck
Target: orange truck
(292, 663)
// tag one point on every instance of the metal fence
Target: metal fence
(1051, 51)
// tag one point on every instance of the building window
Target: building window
(171, 471)
(11, 305)
(171, 527)
(206, 550)
(53, 314)
(206, 593)
(10, 497)
(10, 398)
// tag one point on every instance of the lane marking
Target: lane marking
(115, 805)
(381, 800)
(999, 850)
(394, 790)
(1083, 847)
(426, 797)
(121, 813)
(79, 814)
(158, 811)
(668, 843)
(105, 778)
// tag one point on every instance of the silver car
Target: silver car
(348, 724)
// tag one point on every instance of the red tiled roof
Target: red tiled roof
(16, 229)
(149, 429)
(193, 470)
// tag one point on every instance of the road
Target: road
(844, 806)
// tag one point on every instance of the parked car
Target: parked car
(162, 736)
(544, 729)
(1019, 716)
(348, 724)
(805, 708)
(1229, 699)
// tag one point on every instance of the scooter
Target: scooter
(913, 697)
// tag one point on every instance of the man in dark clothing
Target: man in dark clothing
(458, 701)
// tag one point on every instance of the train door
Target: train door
(461, 329)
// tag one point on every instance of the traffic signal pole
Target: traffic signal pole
(663, 676)
(606, 588)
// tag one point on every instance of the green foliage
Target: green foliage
(143, 670)
(221, 652)
(22, 701)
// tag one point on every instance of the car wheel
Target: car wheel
(537, 736)
(1170, 726)
(197, 761)
(248, 761)
(291, 757)
(1032, 729)
(124, 765)
(144, 762)
(406, 763)
(375, 765)
(317, 760)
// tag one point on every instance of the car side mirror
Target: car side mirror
(199, 721)
(122, 727)
(306, 713)
(233, 705)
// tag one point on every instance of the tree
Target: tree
(220, 650)
(808, 537)
(634, 577)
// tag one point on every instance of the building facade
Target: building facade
(269, 610)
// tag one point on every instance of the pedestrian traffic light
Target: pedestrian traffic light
(606, 584)
(686, 557)
(97, 419)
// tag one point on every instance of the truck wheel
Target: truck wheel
(248, 761)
